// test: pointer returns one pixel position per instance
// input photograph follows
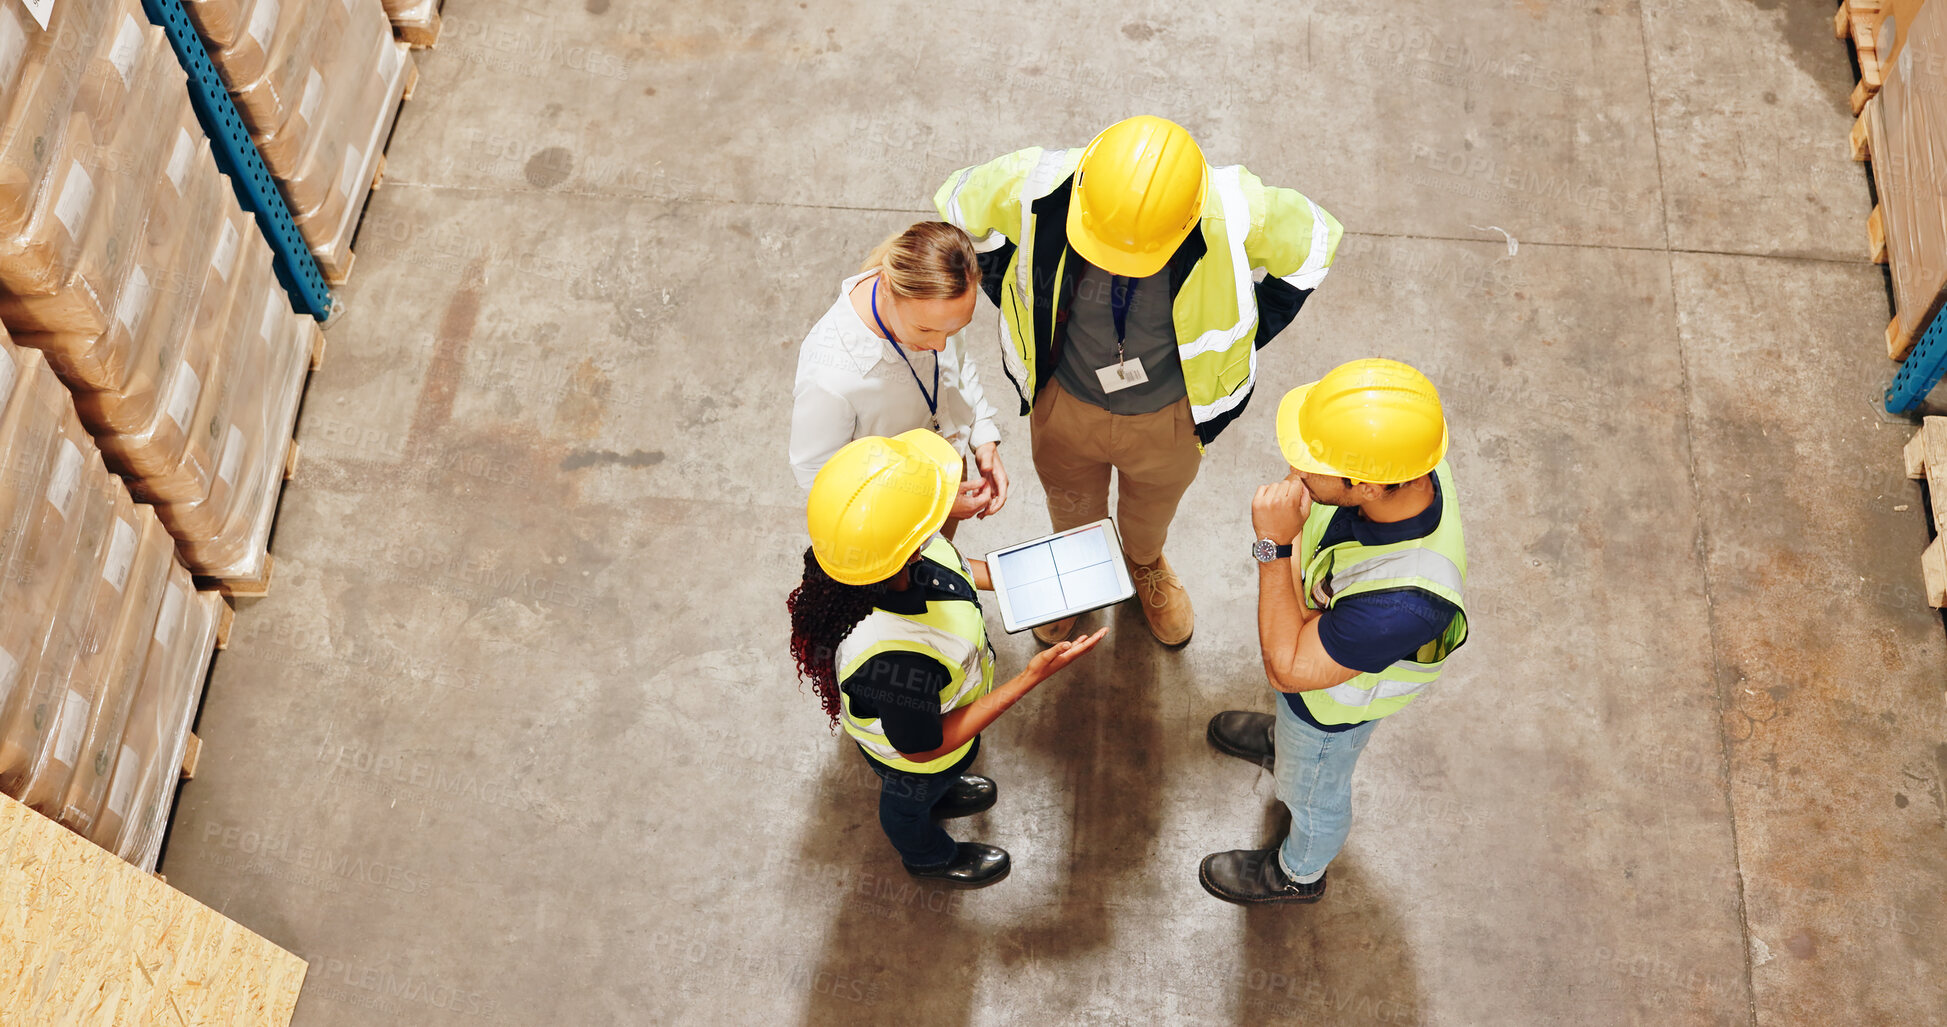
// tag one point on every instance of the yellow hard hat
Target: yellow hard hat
(877, 500)
(1138, 192)
(1369, 420)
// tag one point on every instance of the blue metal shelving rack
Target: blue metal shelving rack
(237, 156)
(1921, 370)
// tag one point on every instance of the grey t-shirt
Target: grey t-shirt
(1149, 335)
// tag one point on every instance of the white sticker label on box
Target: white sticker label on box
(124, 786)
(179, 158)
(41, 10)
(77, 194)
(172, 609)
(67, 475)
(182, 396)
(121, 555)
(128, 46)
(9, 670)
(273, 305)
(226, 471)
(74, 722)
(313, 90)
(7, 374)
(262, 21)
(135, 300)
(353, 160)
(13, 43)
(224, 260)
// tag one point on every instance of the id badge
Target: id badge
(1117, 377)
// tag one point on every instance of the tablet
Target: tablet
(1060, 575)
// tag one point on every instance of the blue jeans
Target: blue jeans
(906, 802)
(1314, 775)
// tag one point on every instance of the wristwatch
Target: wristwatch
(1264, 551)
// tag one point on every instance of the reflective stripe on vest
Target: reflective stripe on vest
(1211, 361)
(951, 631)
(1435, 564)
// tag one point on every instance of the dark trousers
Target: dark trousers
(906, 803)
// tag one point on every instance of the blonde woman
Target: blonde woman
(889, 357)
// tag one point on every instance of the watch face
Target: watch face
(1264, 550)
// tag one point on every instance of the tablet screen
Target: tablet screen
(1069, 572)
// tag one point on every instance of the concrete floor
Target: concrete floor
(515, 737)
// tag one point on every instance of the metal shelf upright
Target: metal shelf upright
(1921, 369)
(237, 156)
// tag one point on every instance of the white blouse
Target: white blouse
(852, 384)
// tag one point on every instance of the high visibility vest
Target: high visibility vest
(1435, 564)
(1247, 228)
(951, 631)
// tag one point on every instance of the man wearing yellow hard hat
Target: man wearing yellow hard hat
(887, 628)
(1361, 598)
(1126, 276)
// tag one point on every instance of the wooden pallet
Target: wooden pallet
(1859, 144)
(258, 586)
(1857, 21)
(1926, 460)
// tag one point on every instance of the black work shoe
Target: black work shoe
(973, 866)
(969, 795)
(1247, 736)
(1252, 876)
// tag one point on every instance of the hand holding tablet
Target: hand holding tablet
(1060, 575)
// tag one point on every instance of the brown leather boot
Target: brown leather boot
(1165, 605)
(1057, 631)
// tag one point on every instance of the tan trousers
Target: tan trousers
(1155, 456)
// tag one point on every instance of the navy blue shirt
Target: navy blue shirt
(1371, 632)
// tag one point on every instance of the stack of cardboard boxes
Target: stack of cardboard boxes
(150, 371)
(104, 642)
(319, 83)
(126, 258)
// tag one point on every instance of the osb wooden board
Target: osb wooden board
(88, 940)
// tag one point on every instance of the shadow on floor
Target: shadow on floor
(897, 944)
(1344, 960)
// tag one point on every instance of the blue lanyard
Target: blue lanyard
(932, 401)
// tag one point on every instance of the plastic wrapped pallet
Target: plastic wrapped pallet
(228, 540)
(41, 731)
(230, 429)
(1895, 16)
(40, 103)
(155, 447)
(180, 226)
(136, 811)
(190, 471)
(329, 227)
(44, 240)
(113, 657)
(267, 84)
(335, 90)
(69, 283)
(183, 289)
(1907, 127)
(29, 437)
(109, 81)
